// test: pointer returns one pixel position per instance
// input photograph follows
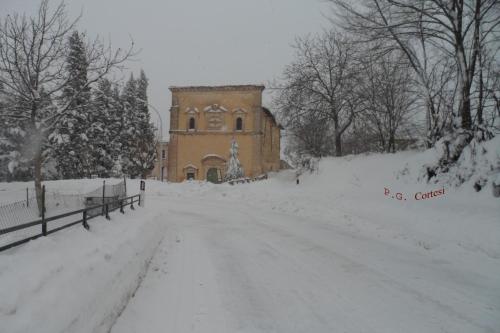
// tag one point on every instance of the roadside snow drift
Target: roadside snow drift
(74, 280)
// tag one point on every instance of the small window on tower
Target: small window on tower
(239, 124)
(192, 124)
(163, 154)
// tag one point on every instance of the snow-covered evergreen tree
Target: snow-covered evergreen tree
(14, 165)
(5, 145)
(234, 169)
(72, 147)
(34, 51)
(16, 138)
(102, 132)
(143, 145)
(128, 101)
(117, 125)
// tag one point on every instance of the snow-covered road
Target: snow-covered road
(242, 269)
(333, 254)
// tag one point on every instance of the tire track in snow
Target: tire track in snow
(114, 316)
(179, 294)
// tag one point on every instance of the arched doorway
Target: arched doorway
(213, 168)
(190, 172)
(213, 175)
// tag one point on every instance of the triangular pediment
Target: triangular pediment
(191, 110)
(215, 108)
(239, 110)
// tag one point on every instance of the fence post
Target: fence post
(107, 212)
(44, 224)
(125, 185)
(132, 203)
(142, 195)
(121, 207)
(103, 193)
(27, 198)
(85, 224)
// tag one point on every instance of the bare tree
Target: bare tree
(320, 81)
(487, 90)
(385, 90)
(452, 37)
(310, 135)
(32, 71)
(459, 29)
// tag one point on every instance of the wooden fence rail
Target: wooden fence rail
(105, 208)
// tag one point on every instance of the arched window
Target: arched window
(239, 124)
(192, 123)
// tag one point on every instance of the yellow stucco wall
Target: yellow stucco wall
(271, 145)
(160, 162)
(215, 110)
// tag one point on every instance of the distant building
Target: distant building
(160, 170)
(204, 120)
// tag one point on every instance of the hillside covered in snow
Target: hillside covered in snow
(359, 246)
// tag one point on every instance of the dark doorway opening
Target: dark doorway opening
(213, 175)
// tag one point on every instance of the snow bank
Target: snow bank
(477, 166)
(74, 280)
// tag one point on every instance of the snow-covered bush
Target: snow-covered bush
(463, 159)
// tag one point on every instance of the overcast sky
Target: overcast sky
(197, 42)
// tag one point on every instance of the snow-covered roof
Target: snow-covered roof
(268, 112)
(218, 88)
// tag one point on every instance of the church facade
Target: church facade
(203, 122)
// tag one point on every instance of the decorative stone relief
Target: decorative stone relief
(215, 121)
(215, 117)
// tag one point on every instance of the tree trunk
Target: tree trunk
(465, 107)
(481, 89)
(338, 145)
(37, 166)
(392, 144)
(431, 121)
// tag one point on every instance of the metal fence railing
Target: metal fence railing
(17, 213)
(55, 203)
